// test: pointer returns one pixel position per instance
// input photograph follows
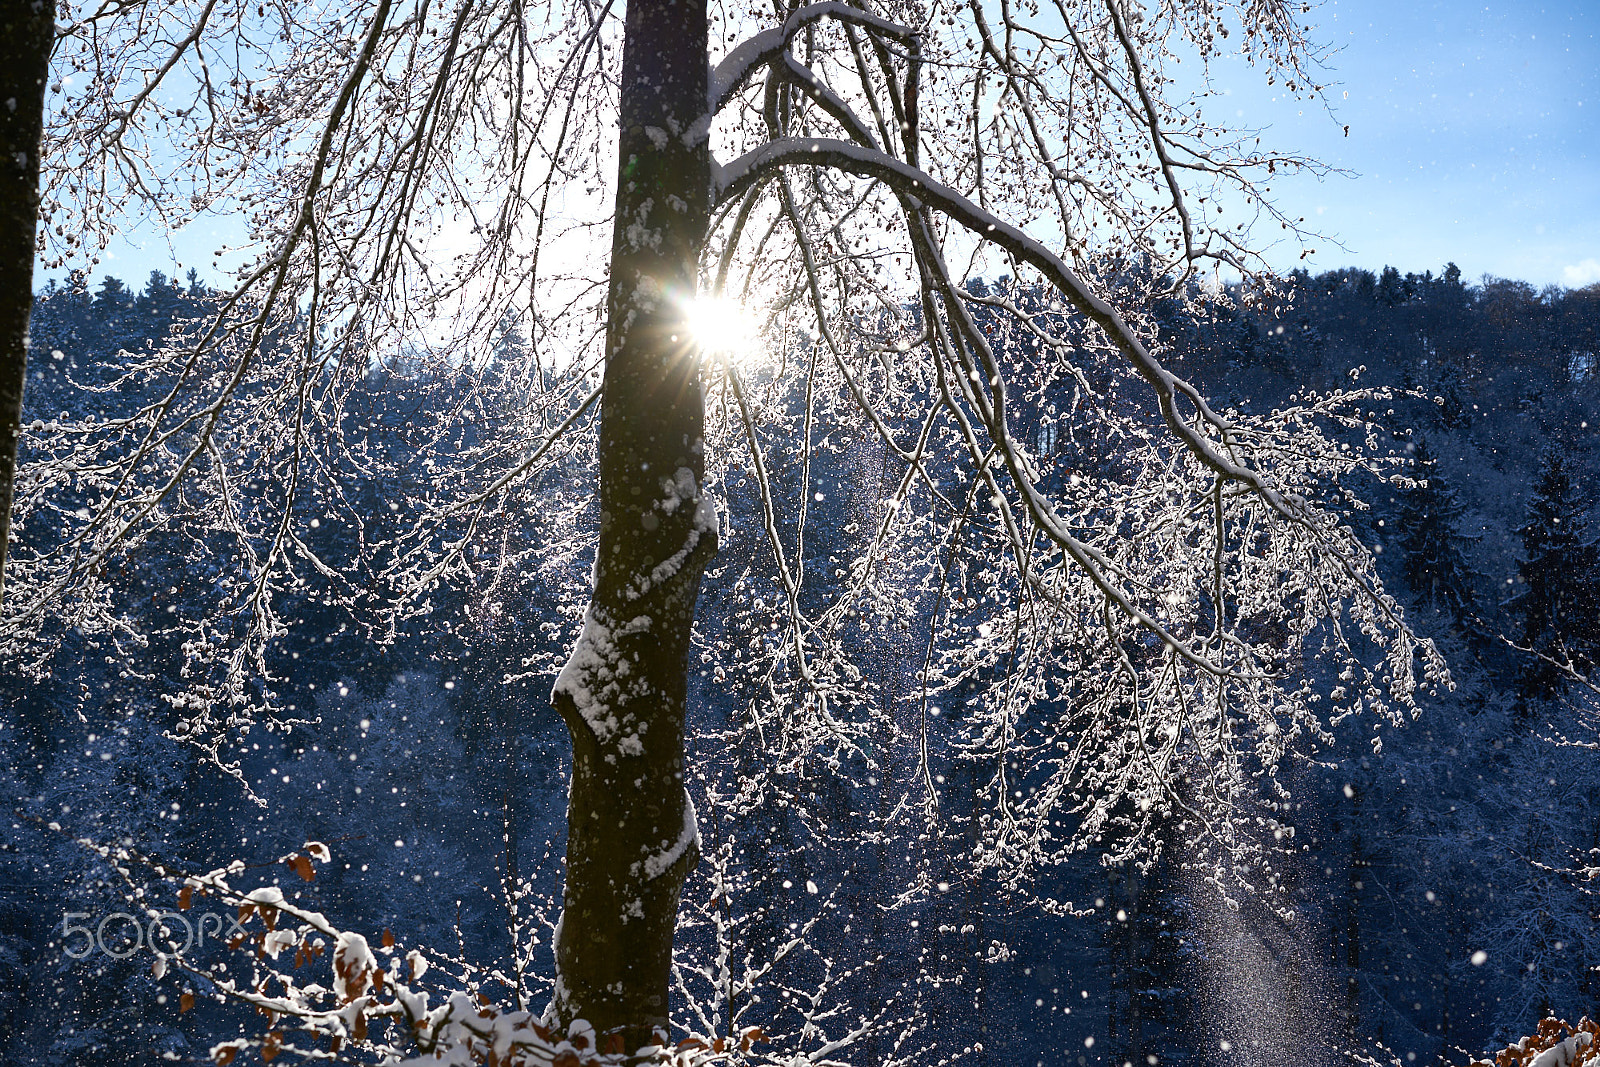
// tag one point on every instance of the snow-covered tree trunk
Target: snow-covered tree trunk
(26, 31)
(631, 830)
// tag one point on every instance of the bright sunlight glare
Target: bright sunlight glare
(724, 327)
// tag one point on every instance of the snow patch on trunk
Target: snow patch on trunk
(655, 865)
(594, 674)
(681, 489)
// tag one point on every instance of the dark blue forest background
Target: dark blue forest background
(439, 785)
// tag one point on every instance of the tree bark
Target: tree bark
(630, 832)
(27, 28)
(1352, 927)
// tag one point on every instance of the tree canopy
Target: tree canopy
(1115, 588)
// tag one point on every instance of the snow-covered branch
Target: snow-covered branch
(748, 57)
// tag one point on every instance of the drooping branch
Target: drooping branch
(909, 181)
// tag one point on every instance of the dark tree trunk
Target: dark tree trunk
(1352, 926)
(630, 837)
(27, 28)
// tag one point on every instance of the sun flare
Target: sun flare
(725, 328)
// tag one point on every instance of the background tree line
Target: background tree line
(1465, 831)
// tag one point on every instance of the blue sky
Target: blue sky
(1474, 137)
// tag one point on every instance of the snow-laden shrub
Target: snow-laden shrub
(325, 992)
(1556, 1043)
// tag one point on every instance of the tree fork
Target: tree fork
(630, 831)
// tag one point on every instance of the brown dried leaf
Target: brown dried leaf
(301, 865)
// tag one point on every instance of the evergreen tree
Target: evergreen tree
(1144, 930)
(1391, 289)
(1452, 409)
(1434, 566)
(1560, 577)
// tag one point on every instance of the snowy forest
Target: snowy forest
(693, 533)
(1435, 902)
